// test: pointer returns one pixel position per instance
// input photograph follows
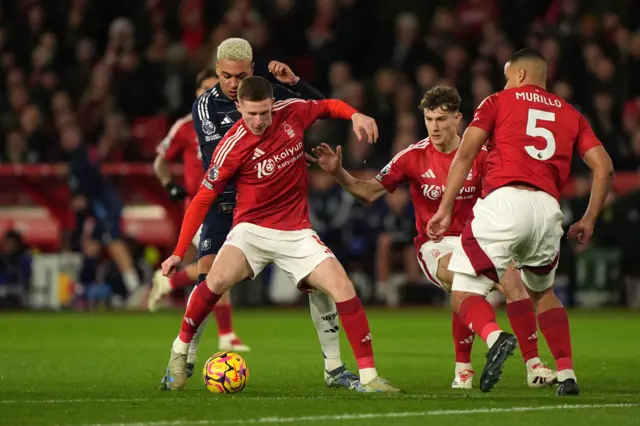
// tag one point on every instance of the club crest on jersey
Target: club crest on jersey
(214, 172)
(206, 245)
(208, 127)
(289, 130)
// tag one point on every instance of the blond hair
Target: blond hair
(235, 49)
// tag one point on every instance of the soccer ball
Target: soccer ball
(225, 372)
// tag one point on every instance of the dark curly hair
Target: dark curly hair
(445, 97)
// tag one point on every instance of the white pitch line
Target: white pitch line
(367, 416)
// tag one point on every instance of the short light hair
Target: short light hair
(235, 49)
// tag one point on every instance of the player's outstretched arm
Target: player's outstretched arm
(600, 164)
(472, 142)
(298, 87)
(365, 191)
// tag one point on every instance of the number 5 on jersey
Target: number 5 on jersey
(533, 130)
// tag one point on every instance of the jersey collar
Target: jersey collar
(217, 92)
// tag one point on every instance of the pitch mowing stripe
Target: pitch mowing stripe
(70, 401)
(367, 416)
(355, 396)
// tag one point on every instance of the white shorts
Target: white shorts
(509, 224)
(297, 253)
(431, 252)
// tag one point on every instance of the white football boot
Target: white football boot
(159, 288)
(463, 380)
(540, 376)
(231, 342)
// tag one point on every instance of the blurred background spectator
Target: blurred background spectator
(121, 71)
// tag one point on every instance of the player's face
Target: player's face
(206, 85)
(442, 126)
(256, 115)
(231, 73)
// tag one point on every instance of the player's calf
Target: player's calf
(329, 276)
(554, 324)
(230, 267)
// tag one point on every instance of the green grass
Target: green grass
(78, 369)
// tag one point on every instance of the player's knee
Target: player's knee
(544, 300)
(514, 291)
(341, 290)
(217, 282)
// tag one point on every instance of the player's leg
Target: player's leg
(231, 266)
(308, 262)
(538, 266)
(434, 258)
(330, 277)
(478, 264)
(215, 229)
(554, 324)
(324, 315)
(108, 214)
(522, 317)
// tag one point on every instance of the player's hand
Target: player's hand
(169, 266)
(328, 159)
(310, 159)
(365, 127)
(581, 231)
(438, 225)
(176, 192)
(283, 73)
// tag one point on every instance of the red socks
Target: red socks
(554, 324)
(356, 326)
(462, 339)
(180, 280)
(223, 318)
(478, 315)
(200, 305)
(523, 322)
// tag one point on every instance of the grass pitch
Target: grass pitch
(104, 369)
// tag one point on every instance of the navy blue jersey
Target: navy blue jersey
(214, 114)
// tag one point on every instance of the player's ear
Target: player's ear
(238, 107)
(252, 65)
(458, 117)
(522, 74)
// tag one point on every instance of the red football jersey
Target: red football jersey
(269, 170)
(532, 134)
(426, 169)
(183, 141)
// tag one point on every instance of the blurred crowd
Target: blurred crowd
(105, 68)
